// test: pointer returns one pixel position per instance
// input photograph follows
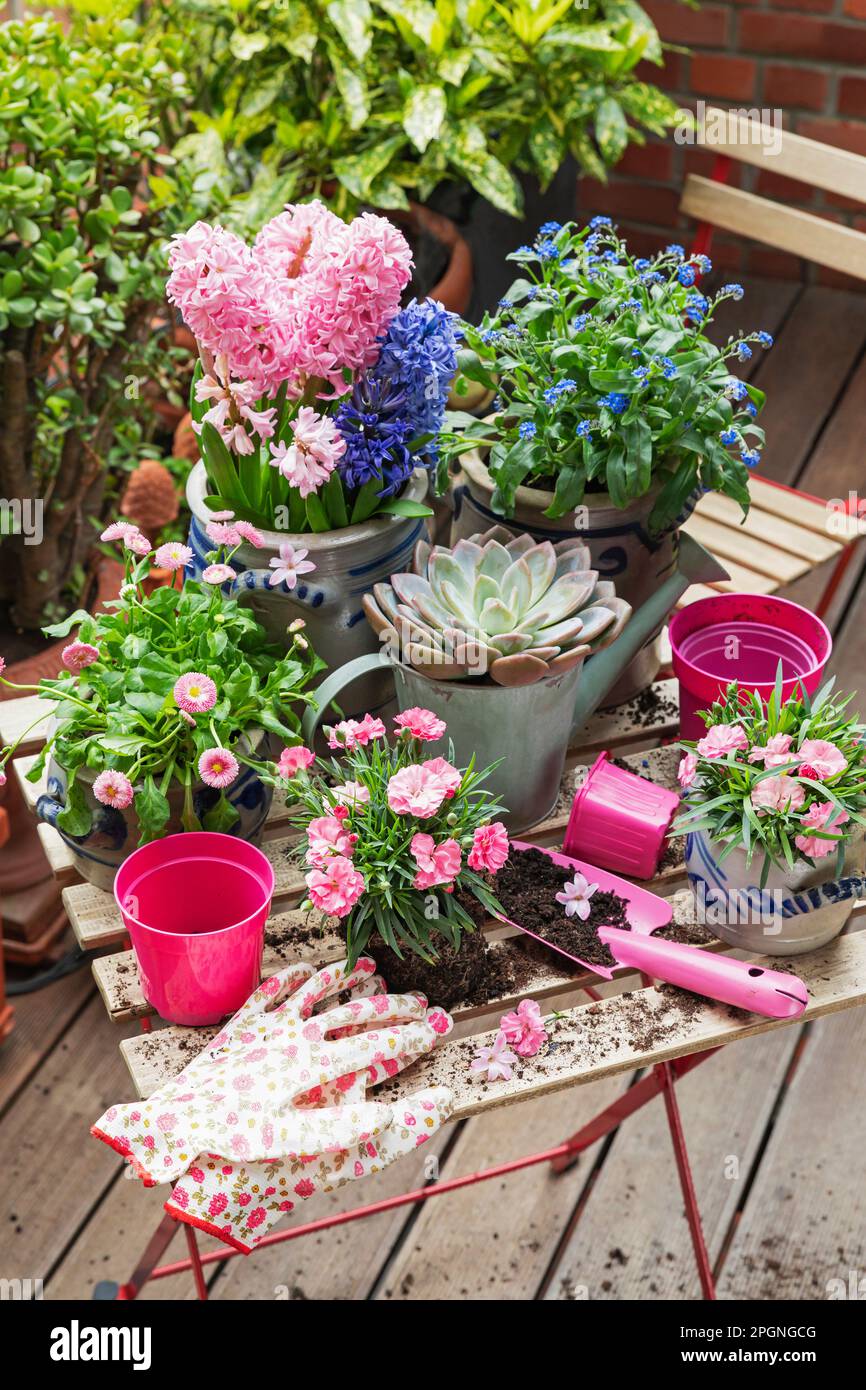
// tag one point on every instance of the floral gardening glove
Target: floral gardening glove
(247, 1095)
(241, 1202)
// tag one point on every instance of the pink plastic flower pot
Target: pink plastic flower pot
(619, 821)
(743, 637)
(195, 907)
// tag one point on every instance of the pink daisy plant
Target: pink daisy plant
(113, 788)
(173, 556)
(79, 655)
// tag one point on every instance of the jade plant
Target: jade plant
(169, 688)
(497, 605)
(607, 380)
(785, 780)
(392, 839)
(377, 101)
(82, 311)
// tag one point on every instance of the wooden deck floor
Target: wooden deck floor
(776, 1125)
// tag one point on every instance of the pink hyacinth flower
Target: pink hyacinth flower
(218, 767)
(290, 564)
(113, 789)
(336, 888)
(494, 1063)
(421, 723)
(195, 693)
(575, 897)
(722, 739)
(78, 655)
(308, 462)
(489, 848)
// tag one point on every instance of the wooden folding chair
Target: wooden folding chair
(788, 532)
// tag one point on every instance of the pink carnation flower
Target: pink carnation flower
(173, 556)
(821, 815)
(336, 888)
(311, 458)
(218, 767)
(294, 760)
(326, 839)
(78, 655)
(823, 757)
(355, 733)
(489, 848)
(494, 1063)
(195, 693)
(416, 791)
(421, 723)
(687, 769)
(722, 739)
(113, 789)
(775, 753)
(448, 776)
(524, 1028)
(777, 794)
(436, 863)
(351, 794)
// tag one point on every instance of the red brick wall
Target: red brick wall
(805, 57)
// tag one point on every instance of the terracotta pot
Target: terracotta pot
(619, 541)
(454, 289)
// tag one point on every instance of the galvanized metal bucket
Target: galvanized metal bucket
(619, 541)
(348, 563)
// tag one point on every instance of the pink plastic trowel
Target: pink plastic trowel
(773, 993)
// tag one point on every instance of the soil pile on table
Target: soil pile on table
(527, 886)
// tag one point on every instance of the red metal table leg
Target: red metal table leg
(693, 1215)
(195, 1257)
(154, 1251)
(606, 1121)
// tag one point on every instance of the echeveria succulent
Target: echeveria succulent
(497, 605)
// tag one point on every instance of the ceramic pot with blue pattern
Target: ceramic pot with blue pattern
(619, 541)
(797, 910)
(114, 834)
(348, 563)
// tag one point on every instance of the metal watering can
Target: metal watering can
(527, 727)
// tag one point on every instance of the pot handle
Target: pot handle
(304, 595)
(332, 685)
(835, 890)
